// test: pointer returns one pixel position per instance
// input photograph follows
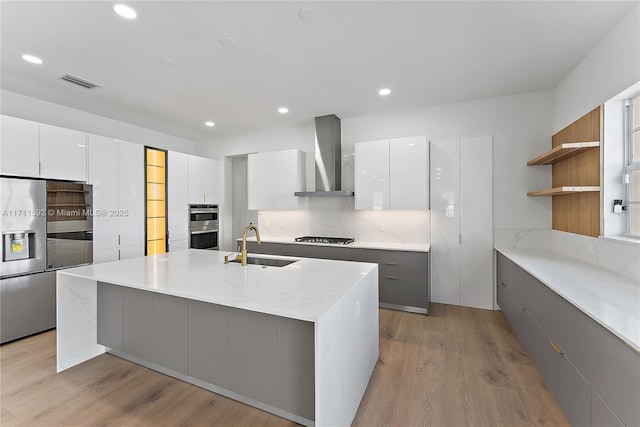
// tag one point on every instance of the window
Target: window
(156, 195)
(632, 144)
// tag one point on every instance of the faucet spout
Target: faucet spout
(242, 256)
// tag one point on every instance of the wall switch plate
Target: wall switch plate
(592, 249)
(381, 227)
(356, 314)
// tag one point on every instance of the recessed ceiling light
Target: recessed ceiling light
(307, 13)
(283, 110)
(384, 92)
(210, 124)
(32, 59)
(125, 11)
(227, 42)
(166, 61)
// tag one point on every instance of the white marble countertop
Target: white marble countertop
(303, 290)
(410, 247)
(609, 298)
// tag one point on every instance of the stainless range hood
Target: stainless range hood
(328, 161)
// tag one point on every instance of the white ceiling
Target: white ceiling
(428, 53)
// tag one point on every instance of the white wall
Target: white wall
(24, 107)
(521, 129)
(611, 67)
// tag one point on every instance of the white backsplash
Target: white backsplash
(618, 257)
(336, 217)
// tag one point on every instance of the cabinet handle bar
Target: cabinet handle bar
(557, 348)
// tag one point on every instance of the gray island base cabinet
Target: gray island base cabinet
(593, 374)
(299, 341)
(266, 358)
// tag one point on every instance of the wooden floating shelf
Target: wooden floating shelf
(66, 191)
(563, 151)
(557, 191)
(66, 205)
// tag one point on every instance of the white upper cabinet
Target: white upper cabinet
(195, 168)
(372, 175)
(37, 150)
(63, 153)
(392, 174)
(178, 197)
(211, 179)
(259, 181)
(19, 147)
(203, 180)
(131, 194)
(273, 178)
(409, 173)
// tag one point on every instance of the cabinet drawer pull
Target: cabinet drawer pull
(391, 277)
(557, 348)
(502, 283)
(391, 263)
(522, 306)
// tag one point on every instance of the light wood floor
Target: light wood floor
(456, 367)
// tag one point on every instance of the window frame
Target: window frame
(629, 164)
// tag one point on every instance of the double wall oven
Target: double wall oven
(203, 226)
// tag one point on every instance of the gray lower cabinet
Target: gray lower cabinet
(403, 277)
(170, 332)
(266, 358)
(208, 340)
(601, 414)
(110, 316)
(137, 315)
(593, 374)
(27, 305)
(615, 374)
(252, 355)
(324, 252)
(269, 248)
(568, 386)
(517, 298)
(567, 326)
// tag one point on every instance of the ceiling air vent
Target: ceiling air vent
(78, 81)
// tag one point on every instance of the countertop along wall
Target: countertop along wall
(521, 128)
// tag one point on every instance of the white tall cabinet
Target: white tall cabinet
(178, 200)
(392, 174)
(116, 171)
(372, 175)
(273, 178)
(461, 222)
(203, 180)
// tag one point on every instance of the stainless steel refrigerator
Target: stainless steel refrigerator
(28, 257)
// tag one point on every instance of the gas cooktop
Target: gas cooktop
(329, 240)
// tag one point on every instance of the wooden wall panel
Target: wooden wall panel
(579, 213)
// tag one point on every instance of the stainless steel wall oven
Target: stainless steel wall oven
(203, 226)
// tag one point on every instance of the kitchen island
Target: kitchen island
(300, 341)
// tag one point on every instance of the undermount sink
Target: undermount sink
(267, 262)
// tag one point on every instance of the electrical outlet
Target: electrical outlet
(281, 224)
(592, 249)
(381, 227)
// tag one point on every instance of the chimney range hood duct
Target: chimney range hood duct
(328, 161)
